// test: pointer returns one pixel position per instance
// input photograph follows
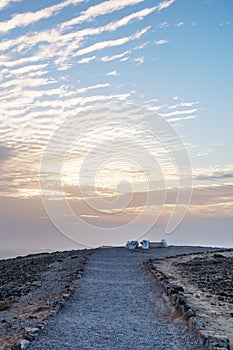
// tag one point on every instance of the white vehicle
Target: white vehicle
(145, 244)
(132, 244)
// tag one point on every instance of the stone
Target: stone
(213, 341)
(195, 322)
(23, 344)
(31, 330)
(181, 299)
(174, 297)
(188, 313)
(36, 284)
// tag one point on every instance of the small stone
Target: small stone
(23, 344)
(36, 284)
(31, 330)
(181, 300)
(189, 313)
(218, 256)
(66, 295)
(194, 321)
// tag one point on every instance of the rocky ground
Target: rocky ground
(208, 283)
(31, 286)
(117, 305)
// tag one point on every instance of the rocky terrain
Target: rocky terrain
(34, 288)
(31, 287)
(208, 283)
(212, 274)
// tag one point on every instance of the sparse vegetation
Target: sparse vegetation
(5, 305)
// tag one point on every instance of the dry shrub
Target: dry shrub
(5, 305)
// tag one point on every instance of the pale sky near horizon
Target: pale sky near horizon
(59, 59)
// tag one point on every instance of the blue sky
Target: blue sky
(172, 57)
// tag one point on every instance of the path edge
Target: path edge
(177, 298)
(30, 334)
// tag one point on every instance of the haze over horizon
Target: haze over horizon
(112, 110)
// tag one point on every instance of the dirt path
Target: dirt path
(117, 305)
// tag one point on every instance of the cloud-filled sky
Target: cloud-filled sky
(59, 60)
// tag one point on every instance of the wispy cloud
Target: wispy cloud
(183, 104)
(45, 76)
(25, 19)
(163, 25)
(122, 55)
(114, 57)
(139, 59)
(113, 73)
(5, 3)
(178, 112)
(180, 24)
(87, 59)
(161, 42)
(203, 153)
(178, 119)
(63, 45)
(111, 43)
(165, 4)
(103, 8)
(215, 173)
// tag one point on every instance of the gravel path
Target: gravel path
(117, 305)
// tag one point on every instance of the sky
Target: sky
(116, 123)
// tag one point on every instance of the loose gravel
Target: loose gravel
(117, 305)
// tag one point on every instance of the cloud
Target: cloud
(161, 42)
(163, 25)
(25, 19)
(103, 8)
(62, 46)
(23, 82)
(92, 87)
(139, 59)
(87, 59)
(180, 24)
(165, 4)
(111, 43)
(114, 57)
(124, 59)
(205, 199)
(113, 73)
(214, 198)
(204, 153)
(183, 104)
(171, 114)
(38, 68)
(37, 96)
(182, 118)
(6, 3)
(55, 36)
(122, 55)
(215, 173)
